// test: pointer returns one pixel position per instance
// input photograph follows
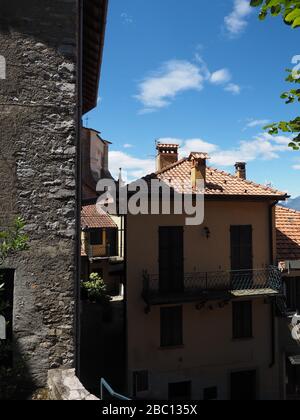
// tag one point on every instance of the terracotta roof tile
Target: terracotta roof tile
(218, 182)
(287, 234)
(91, 219)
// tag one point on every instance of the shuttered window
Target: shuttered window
(241, 247)
(96, 236)
(171, 325)
(242, 319)
(293, 293)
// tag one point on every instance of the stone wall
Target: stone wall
(38, 149)
(65, 386)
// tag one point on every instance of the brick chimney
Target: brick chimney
(167, 154)
(240, 170)
(198, 167)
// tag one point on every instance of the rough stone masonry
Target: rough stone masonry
(38, 152)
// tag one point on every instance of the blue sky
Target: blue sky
(208, 74)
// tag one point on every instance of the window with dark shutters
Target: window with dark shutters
(241, 247)
(140, 381)
(171, 259)
(171, 326)
(293, 293)
(96, 236)
(242, 319)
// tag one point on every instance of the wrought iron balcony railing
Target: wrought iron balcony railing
(211, 285)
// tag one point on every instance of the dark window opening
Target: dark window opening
(171, 333)
(241, 247)
(96, 236)
(112, 242)
(243, 386)
(7, 296)
(293, 381)
(140, 381)
(171, 259)
(210, 394)
(293, 293)
(242, 319)
(181, 391)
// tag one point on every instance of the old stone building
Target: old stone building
(52, 51)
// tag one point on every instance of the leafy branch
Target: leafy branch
(292, 126)
(13, 240)
(289, 9)
(290, 12)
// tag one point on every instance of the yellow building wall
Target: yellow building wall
(209, 353)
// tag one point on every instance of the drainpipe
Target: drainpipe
(272, 304)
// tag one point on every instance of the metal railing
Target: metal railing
(112, 395)
(195, 284)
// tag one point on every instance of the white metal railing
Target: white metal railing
(105, 386)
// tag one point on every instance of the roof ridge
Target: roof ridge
(288, 209)
(246, 181)
(171, 166)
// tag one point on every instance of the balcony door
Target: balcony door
(171, 260)
(241, 256)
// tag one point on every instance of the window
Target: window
(241, 247)
(7, 295)
(171, 326)
(96, 236)
(181, 391)
(243, 386)
(293, 293)
(210, 394)
(140, 381)
(242, 319)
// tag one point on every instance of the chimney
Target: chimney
(167, 154)
(240, 170)
(198, 167)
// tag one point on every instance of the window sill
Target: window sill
(242, 339)
(179, 347)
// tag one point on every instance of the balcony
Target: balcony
(221, 285)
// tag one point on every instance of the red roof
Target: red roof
(288, 234)
(218, 183)
(92, 219)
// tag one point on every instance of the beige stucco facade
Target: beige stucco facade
(209, 354)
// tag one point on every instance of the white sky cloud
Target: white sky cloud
(126, 18)
(128, 146)
(160, 88)
(263, 147)
(132, 167)
(233, 88)
(297, 165)
(236, 21)
(221, 76)
(256, 123)
(174, 77)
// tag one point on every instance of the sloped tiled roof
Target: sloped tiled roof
(90, 218)
(218, 183)
(287, 234)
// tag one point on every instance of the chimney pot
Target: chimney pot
(240, 170)
(167, 154)
(198, 167)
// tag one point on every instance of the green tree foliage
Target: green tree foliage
(288, 9)
(12, 240)
(95, 289)
(290, 12)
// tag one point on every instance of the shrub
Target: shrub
(95, 289)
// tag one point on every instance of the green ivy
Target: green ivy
(290, 12)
